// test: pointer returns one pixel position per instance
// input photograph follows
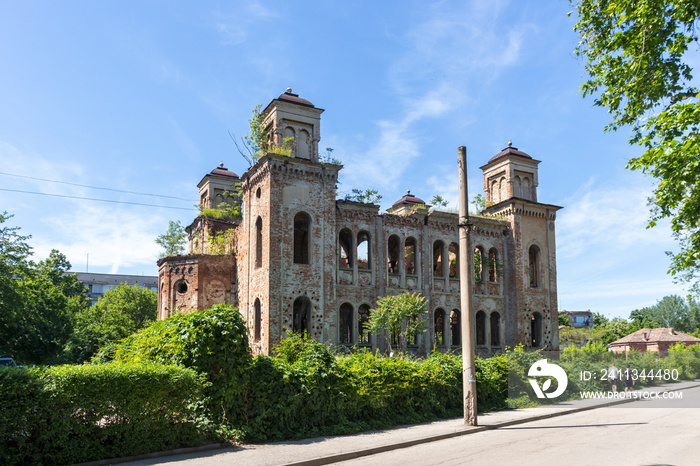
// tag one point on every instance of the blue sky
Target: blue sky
(140, 96)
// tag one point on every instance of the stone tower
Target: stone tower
(285, 243)
(510, 184)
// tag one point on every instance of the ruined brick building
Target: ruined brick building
(302, 260)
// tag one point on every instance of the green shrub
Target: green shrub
(213, 342)
(72, 414)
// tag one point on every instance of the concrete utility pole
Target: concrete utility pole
(465, 290)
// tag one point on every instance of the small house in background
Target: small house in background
(579, 319)
(652, 339)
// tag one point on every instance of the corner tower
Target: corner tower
(285, 242)
(510, 174)
(510, 184)
(289, 117)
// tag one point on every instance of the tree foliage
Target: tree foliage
(402, 315)
(119, 313)
(438, 201)
(366, 196)
(37, 301)
(173, 240)
(638, 54)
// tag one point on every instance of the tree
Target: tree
(401, 315)
(670, 312)
(637, 60)
(173, 240)
(119, 313)
(37, 302)
(599, 320)
(564, 319)
(367, 196)
(438, 201)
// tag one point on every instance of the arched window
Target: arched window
(302, 223)
(303, 151)
(439, 327)
(453, 256)
(258, 242)
(345, 247)
(504, 189)
(393, 253)
(301, 316)
(345, 324)
(536, 329)
(495, 192)
(493, 265)
(257, 320)
(438, 246)
(363, 258)
(495, 329)
(478, 264)
(480, 328)
(534, 265)
(410, 256)
(456, 328)
(363, 335)
(518, 189)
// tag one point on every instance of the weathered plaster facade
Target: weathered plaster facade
(301, 260)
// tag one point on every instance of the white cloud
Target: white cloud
(452, 53)
(607, 260)
(118, 238)
(609, 215)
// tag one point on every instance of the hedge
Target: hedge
(71, 414)
(306, 390)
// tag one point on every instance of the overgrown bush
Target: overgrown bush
(213, 342)
(72, 414)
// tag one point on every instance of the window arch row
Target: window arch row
(354, 249)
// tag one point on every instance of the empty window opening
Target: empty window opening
(439, 327)
(301, 238)
(493, 265)
(453, 257)
(456, 328)
(495, 329)
(181, 286)
(363, 335)
(258, 242)
(478, 264)
(534, 264)
(257, 193)
(437, 258)
(480, 328)
(345, 246)
(363, 261)
(345, 324)
(301, 316)
(258, 320)
(394, 246)
(410, 256)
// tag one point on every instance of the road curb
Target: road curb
(468, 431)
(155, 454)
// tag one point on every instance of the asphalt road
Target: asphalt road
(639, 433)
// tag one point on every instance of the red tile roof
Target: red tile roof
(647, 335)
